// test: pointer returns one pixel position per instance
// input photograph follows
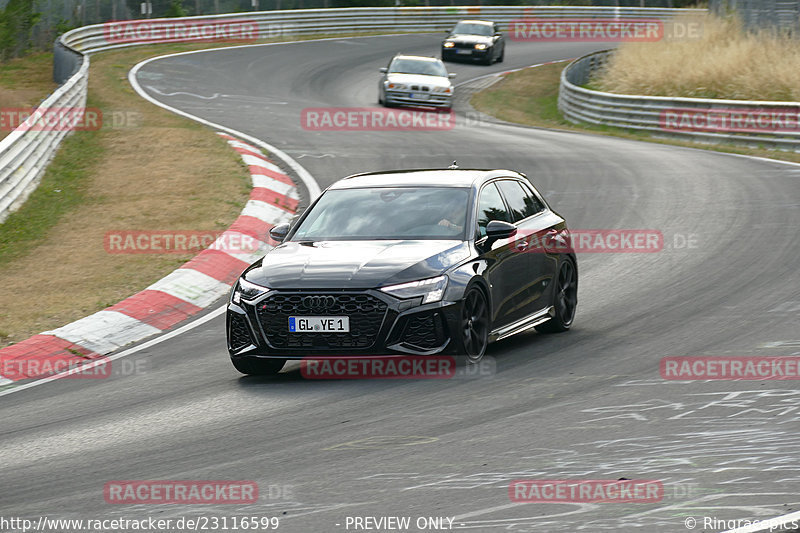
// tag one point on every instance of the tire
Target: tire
(502, 55)
(473, 332)
(258, 367)
(565, 298)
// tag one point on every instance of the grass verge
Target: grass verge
(24, 83)
(530, 97)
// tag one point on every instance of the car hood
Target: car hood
(465, 38)
(354, 264)
(418, 79)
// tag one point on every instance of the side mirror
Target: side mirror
(279, 232)
(499, 229)
(451, 75)
(384, 70)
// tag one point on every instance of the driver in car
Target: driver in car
(454, 213)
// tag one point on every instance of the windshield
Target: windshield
(404, 213)
(417, 66)
(469, 28)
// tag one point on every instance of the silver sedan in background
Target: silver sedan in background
(415, 81)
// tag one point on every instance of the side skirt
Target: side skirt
(523, 324)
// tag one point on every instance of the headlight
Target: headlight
(449, 44)
(247, 291)
(481, 46)
(397, 86)
(431, 289)
(446, 90)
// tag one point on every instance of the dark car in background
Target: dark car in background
(415, 262)
(475, 40)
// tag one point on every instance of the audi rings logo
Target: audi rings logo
(318, 302)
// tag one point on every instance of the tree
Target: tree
(175, 9)
(16, 23)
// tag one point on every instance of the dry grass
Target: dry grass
(726, 62)
(527, 97)
(25, 82)
(159, 172)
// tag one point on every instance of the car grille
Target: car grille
(420, 88)
(366, 316)
(239, 333)
(424, 331)
(464, 45)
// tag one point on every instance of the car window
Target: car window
(490, 207)
(387, 213)
(417, 66)
(520, 201)
(468, 28)
(533, 201)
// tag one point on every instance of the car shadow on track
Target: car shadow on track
(501, 357)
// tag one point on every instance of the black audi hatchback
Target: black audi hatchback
(415, 262)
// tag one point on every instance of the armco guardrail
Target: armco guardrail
(25, 152)
(342, 20)
(748, 123)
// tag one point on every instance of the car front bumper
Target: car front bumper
(465, 53)
(417, 98)
(379, 325)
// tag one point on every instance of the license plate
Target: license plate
(461, 51)
(319, 324)
(418, 96)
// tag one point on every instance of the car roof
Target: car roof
(426, 58)
(423, 177)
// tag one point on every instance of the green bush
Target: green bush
(175, 9)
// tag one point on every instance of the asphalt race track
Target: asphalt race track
(588, 404)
